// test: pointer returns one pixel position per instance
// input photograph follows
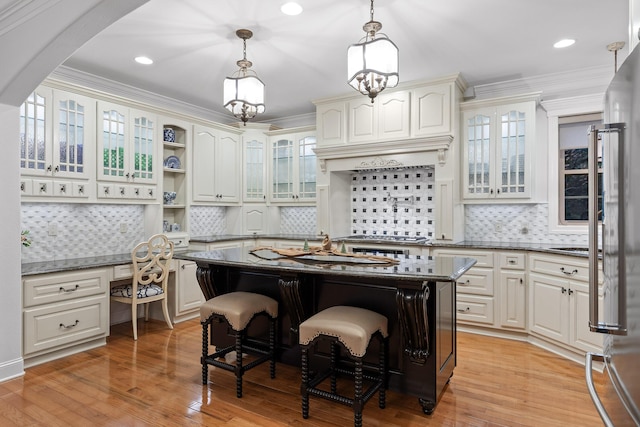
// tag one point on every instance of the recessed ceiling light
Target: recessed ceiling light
(563, 43)
(143, 60)
(291, 8)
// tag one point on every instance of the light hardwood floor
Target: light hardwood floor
(156, 381)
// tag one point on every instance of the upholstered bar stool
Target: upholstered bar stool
(351, 328)
(238, 309)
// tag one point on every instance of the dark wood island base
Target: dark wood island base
(416, 294)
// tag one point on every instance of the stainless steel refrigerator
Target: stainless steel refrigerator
(615, 147)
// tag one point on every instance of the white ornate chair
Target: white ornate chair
(151, 262)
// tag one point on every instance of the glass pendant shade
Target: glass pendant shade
(244, 96)
(372, 66)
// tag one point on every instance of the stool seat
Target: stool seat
(238, 308)
(353, 326)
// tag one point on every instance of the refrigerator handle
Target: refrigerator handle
(595, 325)
(593, 228)
(592, 389)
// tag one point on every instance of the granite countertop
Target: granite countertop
(408, 267)
(54, 266)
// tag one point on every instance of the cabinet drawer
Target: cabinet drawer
(59, 287)
(483, 259)
(475, 309)
(477, 281)
(559, 266)
(511, 261)
(61, 324)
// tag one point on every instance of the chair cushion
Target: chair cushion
(238, 308)
(352, 326)
(144, 291)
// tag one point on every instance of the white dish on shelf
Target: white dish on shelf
(172, 162)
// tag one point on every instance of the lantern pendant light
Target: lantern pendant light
(372, 64)
(244, 91)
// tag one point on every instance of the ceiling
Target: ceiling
(302, 58)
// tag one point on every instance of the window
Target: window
(573, 171)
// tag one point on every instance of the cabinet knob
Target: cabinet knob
(564, 290)
(570, 291)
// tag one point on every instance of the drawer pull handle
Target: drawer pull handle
(62, 289)
(512, 261)
(464, 310)
(568, 273)
(465, 283)
(63, 326)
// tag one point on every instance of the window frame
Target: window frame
(580, 105)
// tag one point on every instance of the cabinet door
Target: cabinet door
(227, 172)
(143, 147)
(282, 168)
(581, 336)
(431, 110)
(478, 153)
(35, 138)
(362, 121)
(73, 134)
(393, 115)
(331, 124)
(549, 307)
(189, 297)
(113, 163)
(513, 299)
(306, 167)
(515, 128)
(255, 170)
(203, 176)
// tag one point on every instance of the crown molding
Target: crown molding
(111, 88)
(552, 86)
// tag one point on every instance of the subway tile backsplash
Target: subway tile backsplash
(393, 202)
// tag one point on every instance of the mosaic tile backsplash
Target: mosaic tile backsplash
(298, 220)
(65, 231)
(514, 223)
(393, 202)
(207, 220)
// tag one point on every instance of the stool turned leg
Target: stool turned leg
(205, 352)
(305, 382)
(333, 361)
(357, 395)
(238, 369)
(383, 373)
(272, 348)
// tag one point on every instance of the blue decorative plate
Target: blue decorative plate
(172, 162)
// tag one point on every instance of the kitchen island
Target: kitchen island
(415, 293)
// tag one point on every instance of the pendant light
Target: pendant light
(244, 91)
(372, 64)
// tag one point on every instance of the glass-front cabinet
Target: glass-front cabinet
(497, 147)
(54, 131)
(126, 140)
(294, 164)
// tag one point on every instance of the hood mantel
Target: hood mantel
(387, 152)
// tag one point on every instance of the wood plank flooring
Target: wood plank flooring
(156, 381)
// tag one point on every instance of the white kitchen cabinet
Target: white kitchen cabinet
(513, 290)
(385, 119)
(475, 297)
(331, 124)
(431, 112)
(64, 313)
(127, 145)
(559, 295)
(498, 138)
(186, 296)
(255, 150)
(293, 166)
(216, 163)
(56, 141)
